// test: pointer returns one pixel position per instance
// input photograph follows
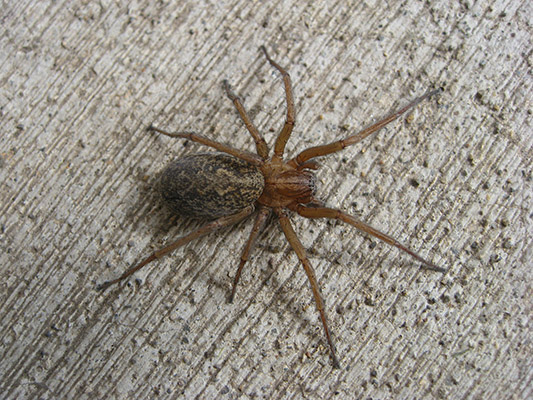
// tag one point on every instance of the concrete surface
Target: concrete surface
(82, 80)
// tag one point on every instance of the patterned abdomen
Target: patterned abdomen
(210, 185)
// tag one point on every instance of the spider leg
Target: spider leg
(243, 155)
(285, 134)
(324, 212)
(300, 251)
(259, 224)
(336, 146)
(204, 230)
(260, 143)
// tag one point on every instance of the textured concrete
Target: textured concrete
(82, 80)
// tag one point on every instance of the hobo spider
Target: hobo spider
(229, 186)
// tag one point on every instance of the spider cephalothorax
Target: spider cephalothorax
(229, 186)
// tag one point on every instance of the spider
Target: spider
(229, 186)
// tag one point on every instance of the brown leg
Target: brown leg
(243, 155)
(300, 251)
(260, 144)
(204, 230)
(318, 151)
(323, 212)
(285, 133)
(260, 220)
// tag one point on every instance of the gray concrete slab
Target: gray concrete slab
(81, 81)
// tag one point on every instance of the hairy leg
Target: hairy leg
(260, 143)
(285, 133)
(243, 155)
(204, 230)
(300, 251)
(334, 147)
(324, 212)
(259, 224)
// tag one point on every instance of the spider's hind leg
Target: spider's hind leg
(204, 230)
(259, 224)
(243, 155)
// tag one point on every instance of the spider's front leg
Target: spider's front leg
(331, 213)
(339, 145)
(300, 251)
(285, 134)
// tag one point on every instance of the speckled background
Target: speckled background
(82, 80)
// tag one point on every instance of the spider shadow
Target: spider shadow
(149, 217)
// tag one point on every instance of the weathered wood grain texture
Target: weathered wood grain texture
(82, 80)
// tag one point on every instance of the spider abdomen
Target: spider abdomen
(210, 185)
